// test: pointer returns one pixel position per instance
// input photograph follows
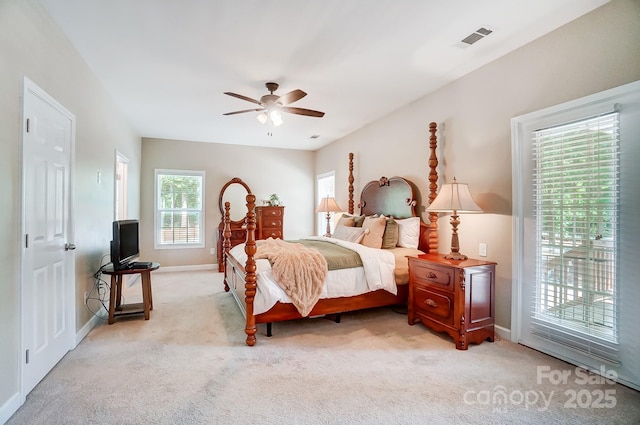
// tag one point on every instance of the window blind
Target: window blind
(179, 208)
(576, 202)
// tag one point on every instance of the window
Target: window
(179, 209)
(576, 196)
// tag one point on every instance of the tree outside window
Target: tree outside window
(179, 219)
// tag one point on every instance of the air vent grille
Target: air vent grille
(478, 34)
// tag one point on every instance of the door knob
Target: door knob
(69, 246)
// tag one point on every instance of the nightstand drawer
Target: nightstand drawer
(433, 304)
(433, 275)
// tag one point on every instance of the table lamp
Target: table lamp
(454, 197)
(328, 205)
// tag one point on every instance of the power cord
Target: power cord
(100, 292)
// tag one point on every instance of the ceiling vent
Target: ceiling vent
(478, 34)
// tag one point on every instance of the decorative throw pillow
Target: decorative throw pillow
(376, 227)
(346, 220)
(390, 236)
(349, 234)
(408, 232)
(358, 219)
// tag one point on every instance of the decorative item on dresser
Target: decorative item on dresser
(453, 296)
(269, 222)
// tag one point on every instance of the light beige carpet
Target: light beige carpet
(189, 365)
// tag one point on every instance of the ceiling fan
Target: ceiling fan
(271, 105)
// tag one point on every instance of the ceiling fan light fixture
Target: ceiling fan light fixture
(272, 105)
(262, 117)
(276, 118)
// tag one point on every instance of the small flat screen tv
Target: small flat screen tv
(125, 246)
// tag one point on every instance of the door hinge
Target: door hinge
(26, 240)
(26, 357)
(28, 122)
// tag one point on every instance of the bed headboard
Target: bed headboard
(389, 196)
(428, 232)
(395, 197)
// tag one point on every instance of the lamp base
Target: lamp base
(328, 234)
(455, 256)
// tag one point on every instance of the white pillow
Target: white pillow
(349, 234)
(408, 232)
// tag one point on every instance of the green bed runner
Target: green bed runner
(337, 256)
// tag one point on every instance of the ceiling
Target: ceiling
(167, 63)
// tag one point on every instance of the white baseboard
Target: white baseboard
(503, 333)
(187, 268)
(10, 407)
(95, 321)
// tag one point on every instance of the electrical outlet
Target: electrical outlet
(212, 251)
(482, 250)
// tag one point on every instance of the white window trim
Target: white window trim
(157, 244)
(521, 129)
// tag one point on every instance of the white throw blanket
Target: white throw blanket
(300, 271)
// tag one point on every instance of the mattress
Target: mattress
(381, 269)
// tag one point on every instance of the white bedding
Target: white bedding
(377, 273)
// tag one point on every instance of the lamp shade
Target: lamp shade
(262, 117)
(328, 204)
(454, 197)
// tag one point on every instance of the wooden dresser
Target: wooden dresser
(456, 297)
(269, 222)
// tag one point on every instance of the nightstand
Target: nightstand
(453, 296)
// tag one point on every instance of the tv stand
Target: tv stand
(116, 308)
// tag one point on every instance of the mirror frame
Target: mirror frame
(235, 180)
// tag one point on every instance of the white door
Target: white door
(48, 276)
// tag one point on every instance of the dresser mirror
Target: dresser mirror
(235, 192)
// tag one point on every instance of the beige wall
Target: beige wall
(289, 173)
(596, 52)
(32, 45)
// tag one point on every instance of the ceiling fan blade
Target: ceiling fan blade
(245, 110)
(292, 96)
(302, 111)
(239, 96)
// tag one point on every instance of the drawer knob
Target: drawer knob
(431, 275)
(431, 303)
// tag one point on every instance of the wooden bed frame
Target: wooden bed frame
(241, 279)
